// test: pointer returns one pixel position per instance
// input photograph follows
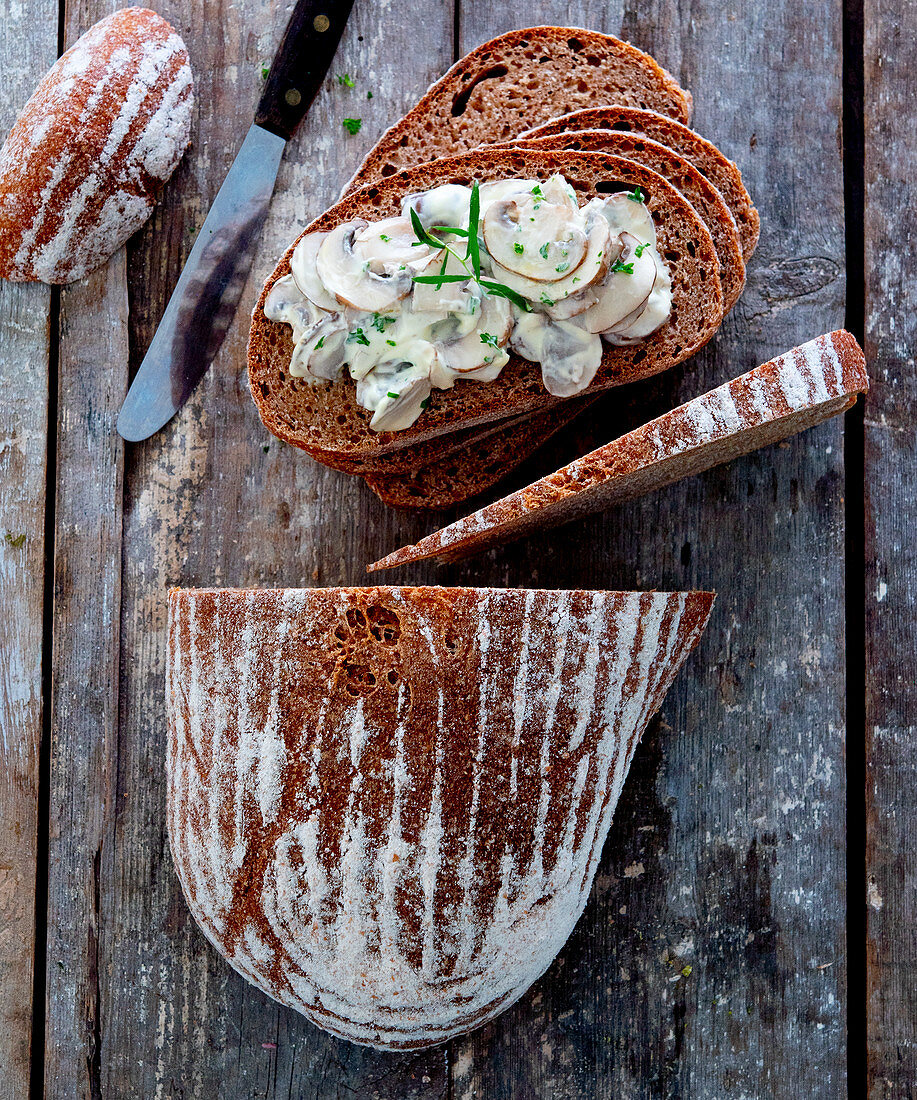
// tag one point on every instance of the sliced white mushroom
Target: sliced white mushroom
(397, 391)
(444, 205)
(287, 304)
(626, 288)
(481, 351)
(654, 314)
(626, 214)
(362, 283)
(570, 357)
(589, 271)
(319, 352)
(462, 297)
(302, 265)
(502, 189)
(534, 238)
(390, 245)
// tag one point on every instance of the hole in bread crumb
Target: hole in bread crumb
(461, 100)
(623, 126)
(388, 170)
(575, 44)
(691, 249)
(361, 680)
(593, 60)
(393, 677)
(639, 355)
(384, 624)
(355, 617)
(582, 86)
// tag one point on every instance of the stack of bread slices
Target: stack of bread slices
(523, 104)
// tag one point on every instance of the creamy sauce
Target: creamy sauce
(358, 297)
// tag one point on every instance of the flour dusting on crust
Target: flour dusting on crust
(82, 168)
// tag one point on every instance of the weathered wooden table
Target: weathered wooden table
(734, 945)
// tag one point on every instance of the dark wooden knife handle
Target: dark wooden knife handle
(299, 67)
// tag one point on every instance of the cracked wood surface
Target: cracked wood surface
(890, 55)
(711, 959)
(28, 44)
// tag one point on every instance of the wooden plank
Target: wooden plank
(214, 500)
(93, 375)
(891, 558)
(28, 45)
(710, 960)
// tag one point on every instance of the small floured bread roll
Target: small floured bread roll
(84, 164)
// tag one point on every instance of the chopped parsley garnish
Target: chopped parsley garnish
(265, 447)
(16, 541)
(546, 300)
(518, 248)
(352, 125)
(379, 322)
(347, 80)
(544, 250)
(636, 195)
(265, 69)
(320, 344)
(425, 403)
(537, 192)
(384, 237)
(358, 336)
(393, 396)
(391, 343)
(638, 251)
(563, 267)
(620, 268)
(576, 278)
(369, 95)
(489, 338)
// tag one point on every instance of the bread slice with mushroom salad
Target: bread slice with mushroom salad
(329, 416)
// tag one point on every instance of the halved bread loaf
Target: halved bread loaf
(790, 393)
(704, 155)
(82, 168)
(386, 806)
(326, 419)
(697, 189)
(515, 81)
(452, 479)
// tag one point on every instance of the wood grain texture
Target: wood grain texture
(891, 557)
(28, 46)
(711, 959)
(213, 499)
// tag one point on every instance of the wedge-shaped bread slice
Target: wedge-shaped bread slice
(514, 82)
(476, 467)
(790, 393)
(705, 156)
(386, 805)
(697, 189)
(325, 419)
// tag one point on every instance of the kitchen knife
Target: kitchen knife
(204, 301)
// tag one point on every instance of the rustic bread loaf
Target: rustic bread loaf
(452, 479)
(386, 806)
(790, 393)
(697, 189)
(512, 83)
(83, 166)
(326, 418)
(705, 156)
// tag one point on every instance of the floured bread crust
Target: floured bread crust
(795, 391)
(386, 805)
(82, 168)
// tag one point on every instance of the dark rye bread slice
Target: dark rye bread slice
(704, 155)
(325, 419)
(514, 82)
(697, 189)
(795, 391)
(386, 806)
(466, 473)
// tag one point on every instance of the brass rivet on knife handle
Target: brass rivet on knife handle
(299, 67)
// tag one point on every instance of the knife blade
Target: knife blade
(203, 303)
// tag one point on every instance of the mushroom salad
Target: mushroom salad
(464, 276)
